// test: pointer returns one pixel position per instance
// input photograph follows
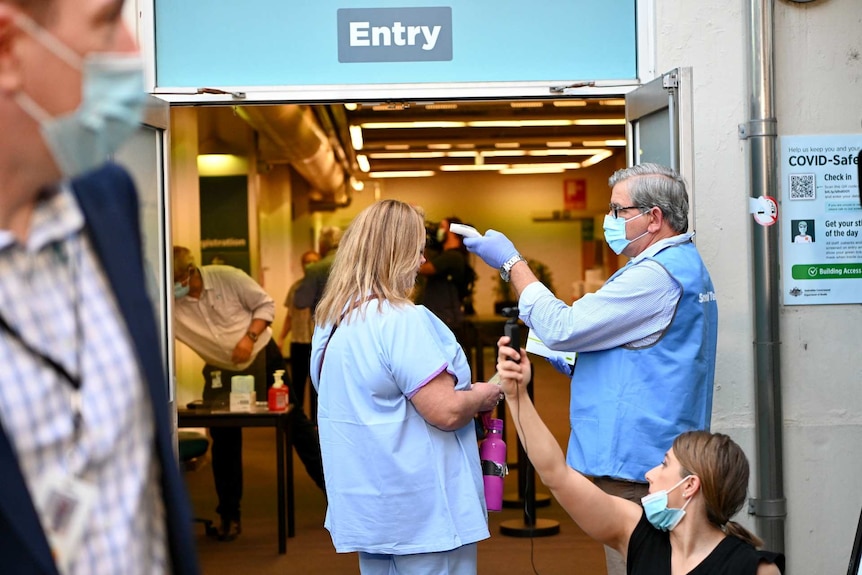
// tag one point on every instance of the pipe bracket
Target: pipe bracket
(754, 128)
(767, 507)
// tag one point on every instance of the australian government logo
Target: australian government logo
(395, 34)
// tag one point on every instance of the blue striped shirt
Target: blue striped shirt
(54, 293)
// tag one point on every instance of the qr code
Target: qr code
(802, 187)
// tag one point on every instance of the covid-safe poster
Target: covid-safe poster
(821, 219)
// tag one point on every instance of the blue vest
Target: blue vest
(628, 404)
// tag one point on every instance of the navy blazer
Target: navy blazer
(109, 202)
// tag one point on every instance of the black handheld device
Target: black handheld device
(512, 328)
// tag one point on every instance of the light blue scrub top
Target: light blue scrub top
(395, 483)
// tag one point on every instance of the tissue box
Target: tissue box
(242, 401)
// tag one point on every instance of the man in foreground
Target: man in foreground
(87, 464)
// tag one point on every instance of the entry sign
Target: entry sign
(395, 34)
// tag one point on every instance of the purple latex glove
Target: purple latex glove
(561, 365)
(494, 248)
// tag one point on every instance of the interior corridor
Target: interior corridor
(310, 551)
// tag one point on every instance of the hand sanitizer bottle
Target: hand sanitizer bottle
(278, 393)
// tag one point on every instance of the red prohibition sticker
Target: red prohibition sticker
(764, 209)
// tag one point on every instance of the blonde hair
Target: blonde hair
(723, 470)
(378, 257)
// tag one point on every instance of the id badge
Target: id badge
(65, 505)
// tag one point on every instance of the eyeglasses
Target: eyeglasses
(615, 210)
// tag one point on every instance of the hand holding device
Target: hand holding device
(494, 248)
(464, 230)
(512, 329)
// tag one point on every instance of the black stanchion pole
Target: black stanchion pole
(530, 526)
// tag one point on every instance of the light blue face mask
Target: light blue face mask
(658, 513)
(181, 290)
(615, 232)
(111, 108)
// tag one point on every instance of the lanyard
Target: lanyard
(73, 381)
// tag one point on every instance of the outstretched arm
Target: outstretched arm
(606, 518)
(449, 409)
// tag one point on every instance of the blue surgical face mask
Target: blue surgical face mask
(615, 232)
(181, 290)
(111, 108)
(658, 513)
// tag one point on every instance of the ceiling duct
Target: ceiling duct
(289, 134)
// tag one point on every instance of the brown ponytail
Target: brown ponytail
(740, 532)
(723, 470)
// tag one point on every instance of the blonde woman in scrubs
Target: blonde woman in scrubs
(395, 408)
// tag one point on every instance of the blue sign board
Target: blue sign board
(287, 43)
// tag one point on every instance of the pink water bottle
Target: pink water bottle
(492, 452)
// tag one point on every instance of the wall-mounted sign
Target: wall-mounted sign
(821, 219)
(297, 43)
(224, 221)
(575, 194)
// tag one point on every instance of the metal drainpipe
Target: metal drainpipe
(769, 505)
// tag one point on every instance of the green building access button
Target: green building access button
(827, 271)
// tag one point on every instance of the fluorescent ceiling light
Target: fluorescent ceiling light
(613, 102)
(396, 147)
(565, 144)
(405, 155)
(537, 123)
(472, 167)
(525, 104)
(559, 152)
(519, 123)
(503, 153)
(351, 106)
(569, 103)
(519, 168)
(356, 137)
(439, 146)
(404, 174)
(536, 169)
(603, 143)
(599, 122)
(462, 154)
(605, 154)
(465, 146)
(222, 165)
(441, 106)
(507, 145)
(363, 162)
(409, 125)
(356, 184)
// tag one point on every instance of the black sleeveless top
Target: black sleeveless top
(649, 554)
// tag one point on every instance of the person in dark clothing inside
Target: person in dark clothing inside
(448, 280)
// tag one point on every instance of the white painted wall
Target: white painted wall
(818, 73)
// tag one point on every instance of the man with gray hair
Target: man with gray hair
(645, 341)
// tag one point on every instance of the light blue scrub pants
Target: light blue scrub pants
(460, 561)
